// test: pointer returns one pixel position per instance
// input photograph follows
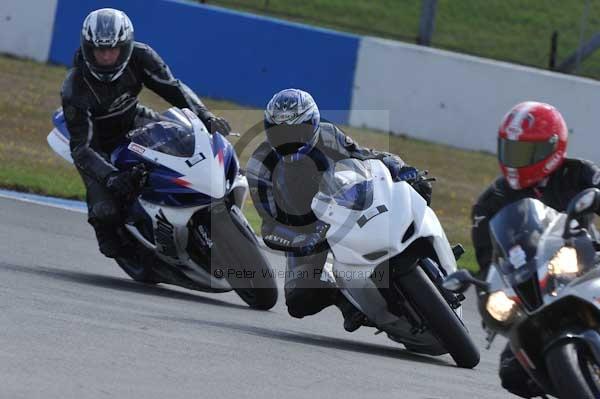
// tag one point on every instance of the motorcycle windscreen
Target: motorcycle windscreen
(167, 137)
(349, 184)
(515, 232)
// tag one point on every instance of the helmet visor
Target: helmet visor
(287, 139)
(517, 154)
(125, 50)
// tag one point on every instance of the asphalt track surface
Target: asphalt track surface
(73, 325)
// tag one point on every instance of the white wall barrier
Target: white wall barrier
(459, 100)
(26, 27)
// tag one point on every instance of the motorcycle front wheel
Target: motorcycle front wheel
(237, 254)
(439, 317)
(573, 370)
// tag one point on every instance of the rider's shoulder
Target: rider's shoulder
(497, 189)
(329, 131)
(582, 171)
(143, 53)
(332, 137)
(260, 160)
(140, 48)
(72, 85)
(577, 163)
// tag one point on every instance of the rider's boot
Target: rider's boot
(353, 318)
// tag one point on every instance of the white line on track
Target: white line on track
(68, 205)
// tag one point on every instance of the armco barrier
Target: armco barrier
(229, 55)
(459, 100)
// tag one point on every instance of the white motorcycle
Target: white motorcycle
(187, 224)
(390, 257)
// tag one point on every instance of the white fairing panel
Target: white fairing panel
(171, 231)
(60, 145)
(395, 207)
(203, 172)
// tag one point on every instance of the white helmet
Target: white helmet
(292, 122)
(107, 28)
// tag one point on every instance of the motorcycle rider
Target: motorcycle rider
(532, 144)
(284, 173)
(100, 105)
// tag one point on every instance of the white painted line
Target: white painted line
(67, 205)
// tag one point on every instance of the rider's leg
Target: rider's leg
(305, 293)
(104, 216)
(514, 378)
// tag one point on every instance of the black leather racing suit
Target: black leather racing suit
(557, 191)
(282, 193)
(98, 115)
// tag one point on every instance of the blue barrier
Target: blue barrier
(229, 55)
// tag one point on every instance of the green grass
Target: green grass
(513, 30)
(29, 93)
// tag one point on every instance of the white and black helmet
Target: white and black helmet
(107, 28)
(292, 121)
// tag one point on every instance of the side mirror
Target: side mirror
(581, 207)
(460, 281)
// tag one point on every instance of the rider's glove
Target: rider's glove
(416, 180)
(217, 124)
(423, 187)
(127, 183)
(394, 165)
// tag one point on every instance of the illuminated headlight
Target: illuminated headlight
(564, 262)
(500, 306)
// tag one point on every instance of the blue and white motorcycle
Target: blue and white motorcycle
(187, 224)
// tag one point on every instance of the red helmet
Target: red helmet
(532, 143)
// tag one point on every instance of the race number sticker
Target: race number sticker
(195, 159)
(136, 148)
(517, 257)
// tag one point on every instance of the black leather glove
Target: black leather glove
(218, 124)
(423, 187)
(127, 183)
(417, 180)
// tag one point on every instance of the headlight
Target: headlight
(564, 262)
(500, 306)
